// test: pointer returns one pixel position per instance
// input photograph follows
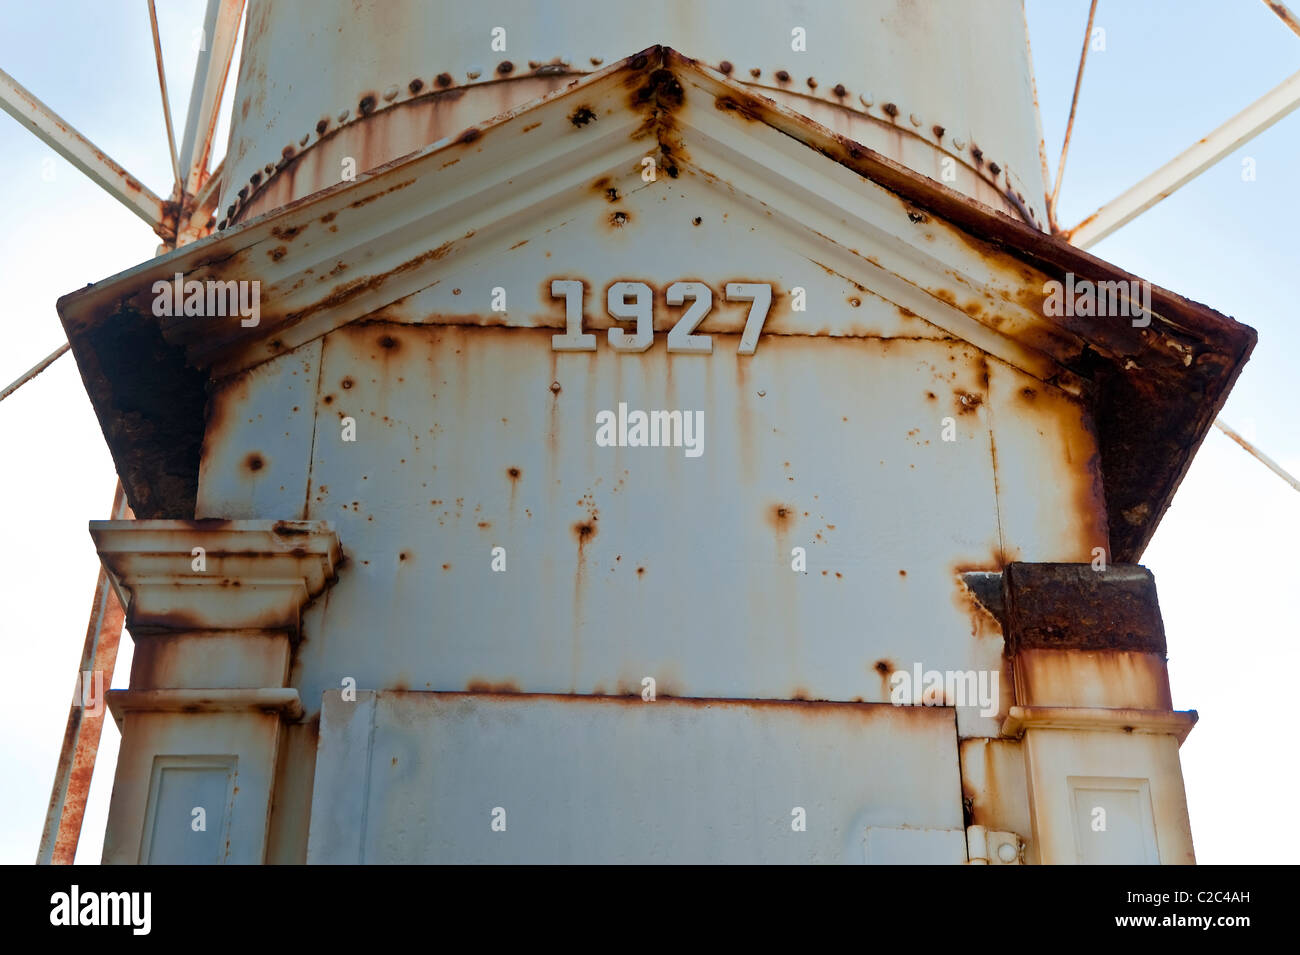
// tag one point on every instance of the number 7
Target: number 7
(761, 296)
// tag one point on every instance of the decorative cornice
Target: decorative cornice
(284, 700)
(216, 574)
(1176, 723)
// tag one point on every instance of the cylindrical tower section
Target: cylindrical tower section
(944, 87)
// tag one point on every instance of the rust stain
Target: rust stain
(582, 116)
(780, 517)
(505, 688)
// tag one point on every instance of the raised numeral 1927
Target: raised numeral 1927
(634, 302)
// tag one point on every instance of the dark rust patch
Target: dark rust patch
(254, 461)
(366, 106)
(1056, 606)
(415, 85)
(505, 68)
(663, 88)
(443, 80)
(277, 253)
(469, 136)
(582, 116)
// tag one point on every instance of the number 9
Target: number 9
(640, 308)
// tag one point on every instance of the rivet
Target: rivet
(916, 120)
(867, 99)
(343, 115)
(597, 60)
(1006, 852)
(303, 141)
(958, 143)
(390, 93)
(474, 72)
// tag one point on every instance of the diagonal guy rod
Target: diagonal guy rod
(1074, 105)
(166, 104)
(60, 136)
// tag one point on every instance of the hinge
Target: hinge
(992, 847)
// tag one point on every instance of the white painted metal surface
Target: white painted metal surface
(468, 778)
(920, 83)
(509, 588)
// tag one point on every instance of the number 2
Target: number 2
(680, 338)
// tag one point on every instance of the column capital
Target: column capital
(182, 576)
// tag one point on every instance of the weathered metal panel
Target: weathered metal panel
(1108, 678)
(270, 412)
(1059, 762)
(919, 82)
(631, 562)
(1051, 498)
(250, 738)
(995, 788)
(420, 777)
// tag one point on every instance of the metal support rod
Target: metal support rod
(35, 370)
(1287, 16)
(1074, 105)
(60, 136)
(76, 764)
(1257, 454)
(166, 103)
(1250, 122)
(195, 224)
(220, 27)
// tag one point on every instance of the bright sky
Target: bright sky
(1224, 557)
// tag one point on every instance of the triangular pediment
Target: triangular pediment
(475, 229)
